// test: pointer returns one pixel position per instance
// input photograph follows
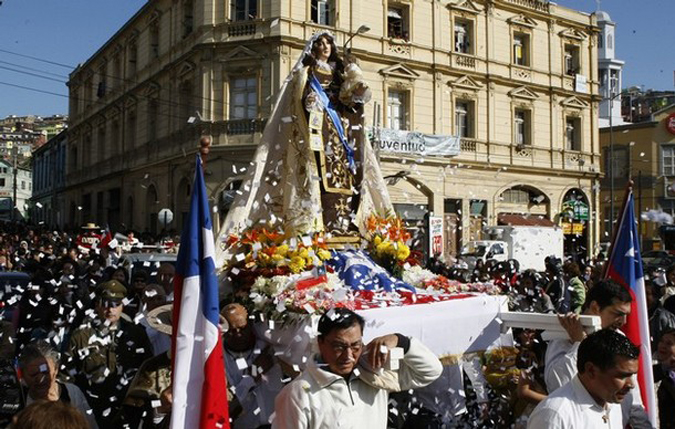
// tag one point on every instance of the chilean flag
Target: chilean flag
(625, 267)
(198, 370)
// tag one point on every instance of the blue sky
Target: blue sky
(69, 31)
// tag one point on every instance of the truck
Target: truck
(529, 245)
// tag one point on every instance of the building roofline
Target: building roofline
(110, 41)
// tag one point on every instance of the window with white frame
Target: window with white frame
(322, 12)
(397, 109)
(244, 98)
(668, 160)
(464, 118)
(521, 49)
(572, 133)
(397, 22)
(244, 10)
(572, 63)
(463, 36)
(521, 127)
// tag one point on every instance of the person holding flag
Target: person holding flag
(200, 397)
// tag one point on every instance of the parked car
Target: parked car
(149, 262)
(651, 255)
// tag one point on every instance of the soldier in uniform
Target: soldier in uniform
(105, 352)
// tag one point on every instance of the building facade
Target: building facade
(49, 180)
(645, 153)
(12, 184)
(516, 80)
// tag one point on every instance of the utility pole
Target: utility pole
(15, 164)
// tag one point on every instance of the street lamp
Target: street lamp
(362, 29)
(611, 159)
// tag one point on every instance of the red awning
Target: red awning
(523, 220)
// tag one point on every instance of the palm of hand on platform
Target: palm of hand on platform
(572, 324)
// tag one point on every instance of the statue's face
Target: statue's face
(322, 48)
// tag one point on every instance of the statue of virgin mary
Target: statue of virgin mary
(314, 170)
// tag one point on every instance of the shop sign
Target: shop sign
(670, 123)
(578, 228)
(566, 228)
(580, 84)
(414, 143)
(435, 236)
(576, 210)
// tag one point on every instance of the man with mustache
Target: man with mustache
(606, 364)
(345, 384)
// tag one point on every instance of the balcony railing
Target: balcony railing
(242, 28)
(539, 5)
(465, 61)
(236, 127)
(467, 145)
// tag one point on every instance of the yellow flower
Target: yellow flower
(282, 250)
(277, 257)
(323, 254)
(377, 240)
(303, 253)
(297, 264)
(382, 248)
(263, 258)
(402, 252)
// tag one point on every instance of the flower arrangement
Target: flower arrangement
(278, 299)
(265, 253)
(424, 279)
(386, 238)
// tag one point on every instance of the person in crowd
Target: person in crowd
(331, 391)
(606, 364)
(612, 302)
(165, 274)
(669, 287)
(664, 377)
(39, 364)
(45, 414)
(572, 274)
(152, 382)
(587, 277)
(528, 294)
(106, 351)
(660, 319)
(153, 296)
(139, 280)
(556, 287)
(253, 373)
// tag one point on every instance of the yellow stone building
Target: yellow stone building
(516, 80)
(644, 152)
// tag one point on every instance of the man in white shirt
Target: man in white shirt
(612, 302)
(333, 393)
(606, 364)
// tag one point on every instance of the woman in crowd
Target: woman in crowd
(39, 364)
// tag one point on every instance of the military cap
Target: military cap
(111, 290)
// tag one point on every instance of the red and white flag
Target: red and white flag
(198, 368)
(625, 267)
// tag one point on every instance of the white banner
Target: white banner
(414, 143)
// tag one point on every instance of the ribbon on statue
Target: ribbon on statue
(334, 118)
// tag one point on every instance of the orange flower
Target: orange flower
(250, 237)
(232, 239)
(272, 236)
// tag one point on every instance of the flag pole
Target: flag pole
(615, 228)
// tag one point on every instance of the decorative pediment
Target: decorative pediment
(153, 16)
(130, 101)
(401, 71)
(574, 102)
(99, 120)
(150, 89)
(522, 20)
(185, 68)
(241, 53)
(465, 6)
(466, 82)
(574, 34)
(523, 92)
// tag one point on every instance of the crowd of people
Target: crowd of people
(86, 340)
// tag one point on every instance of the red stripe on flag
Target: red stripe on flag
(215, 412)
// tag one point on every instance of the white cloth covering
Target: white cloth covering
(319, 399)
(572, 407)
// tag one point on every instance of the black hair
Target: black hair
(310, 59)
(607, 292)
(602, 348)
(337, 319)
